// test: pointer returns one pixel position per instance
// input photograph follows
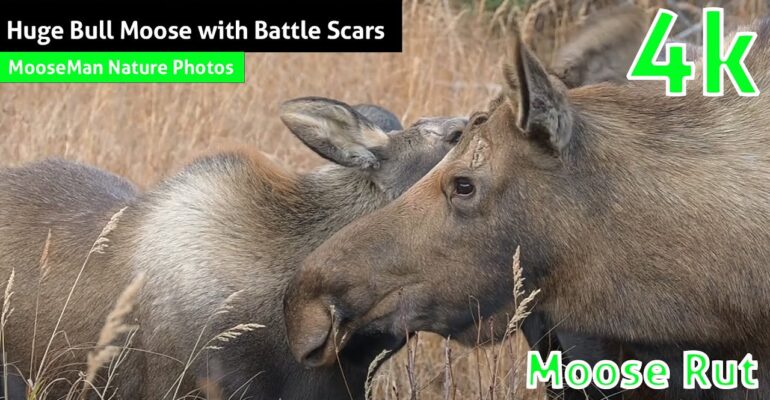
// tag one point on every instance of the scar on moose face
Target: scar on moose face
(480, 151)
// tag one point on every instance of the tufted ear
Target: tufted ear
(335, 131)
(544, 114)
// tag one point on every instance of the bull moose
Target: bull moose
(644, 220)
(217, 244)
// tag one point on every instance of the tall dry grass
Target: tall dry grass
(144, 131)
(450, 66)
(431, 367)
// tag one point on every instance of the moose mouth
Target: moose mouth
(358, 348)
(324, 337)
(363, 348)
(358, 340)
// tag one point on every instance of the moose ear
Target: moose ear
(335, 131)
(543, 112)
(380, 116)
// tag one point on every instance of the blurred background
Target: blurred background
(452, 55)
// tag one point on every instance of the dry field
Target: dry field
(450, 66)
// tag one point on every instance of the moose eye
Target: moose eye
(454, 137)
(464, 187)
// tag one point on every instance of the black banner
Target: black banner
(267, 26)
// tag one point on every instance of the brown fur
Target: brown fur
(549, 25)
(603, 50)
(217, 242)
(281, 179)
(644, 220)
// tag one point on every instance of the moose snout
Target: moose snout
(443, 128)
(453, 124)
(311, 332)
(327, 306)
(453, 128)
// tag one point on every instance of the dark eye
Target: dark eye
(454, 137)
(464, 187)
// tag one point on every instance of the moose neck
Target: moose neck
(231, 206)
(333, 197)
